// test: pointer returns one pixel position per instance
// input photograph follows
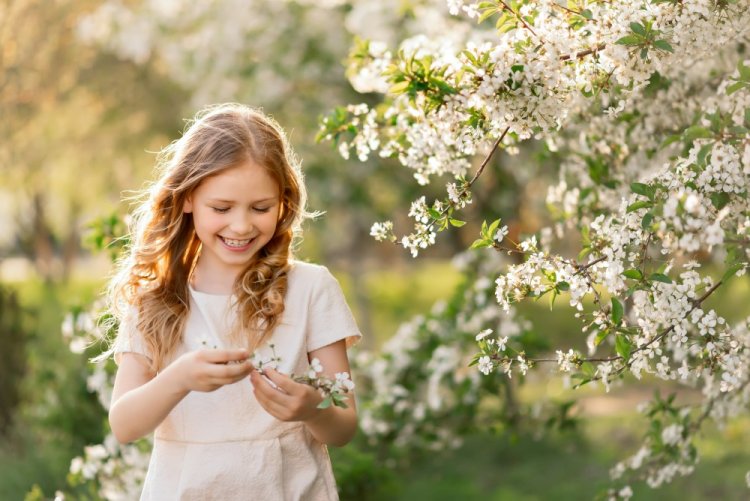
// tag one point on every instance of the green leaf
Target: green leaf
(587, 14)
(588, 369)
(584, 381)
(639, 205)
(642, 189)
(719, 199)
(585, 232)
(663, 45)
(633, 273)
(696, 131)
(617, 311)
(671, 139)
(493, 229)
(480, 244)
(638, 29)
(487, 14)
(629, 40)
(623, 346)
(399, 88)
(731, 271)
(647, 220)
(584, 252)
(703, 153)
(457, 223)
(563, 286)
(326, 403)
(601, 336)
(660, 277)
(744, 71)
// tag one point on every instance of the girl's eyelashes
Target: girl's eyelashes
(223, 210)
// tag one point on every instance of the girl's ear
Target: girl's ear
(187, 207)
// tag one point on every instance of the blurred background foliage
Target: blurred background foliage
(85, 101)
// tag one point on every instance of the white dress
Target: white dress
(223, 445)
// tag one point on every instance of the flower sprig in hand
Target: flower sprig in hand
(333, 391)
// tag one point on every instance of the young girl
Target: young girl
(209, 280)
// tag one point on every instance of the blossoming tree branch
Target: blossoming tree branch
(645, 105)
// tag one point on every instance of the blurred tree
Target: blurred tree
(12, 356)
(75, 124)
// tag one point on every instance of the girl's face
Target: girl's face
(235, 214)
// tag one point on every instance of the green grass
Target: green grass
(572, 467)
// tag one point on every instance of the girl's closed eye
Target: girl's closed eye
(220, 210)
(262, 210)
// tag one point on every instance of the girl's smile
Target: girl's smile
(237, 245)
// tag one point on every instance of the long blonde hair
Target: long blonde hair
(153, 275)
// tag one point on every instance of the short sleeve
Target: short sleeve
(329, 318)
(129, 338)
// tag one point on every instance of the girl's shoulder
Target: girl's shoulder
(304, 273)
(305, 279)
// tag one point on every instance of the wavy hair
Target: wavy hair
(152, 277)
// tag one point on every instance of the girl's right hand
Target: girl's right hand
(208, 370)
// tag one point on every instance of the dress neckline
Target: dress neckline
(208, 294)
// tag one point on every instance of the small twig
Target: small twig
(583, 53)
(487, 158)
(644, 250)
(474, 178)
(520, 18)
(572, 11)
(583, 267)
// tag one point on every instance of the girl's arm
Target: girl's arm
(141, 399)
(298, 402)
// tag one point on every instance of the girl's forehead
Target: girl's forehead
(246, 180)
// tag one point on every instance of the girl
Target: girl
(208, 280)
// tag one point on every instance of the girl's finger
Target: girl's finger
(273, 408)
(283, 381)
(224, 356)
(229, 372)
(264, 387)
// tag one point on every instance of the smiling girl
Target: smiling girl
(210, 264)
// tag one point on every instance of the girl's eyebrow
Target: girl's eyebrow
(224, 201)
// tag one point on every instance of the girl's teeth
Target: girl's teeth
(236, 243)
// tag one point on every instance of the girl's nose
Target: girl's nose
(242, 224)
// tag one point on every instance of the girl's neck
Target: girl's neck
(212, 281)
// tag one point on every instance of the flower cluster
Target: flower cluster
(334, 391)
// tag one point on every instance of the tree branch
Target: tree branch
(661, 335)
(583, 53)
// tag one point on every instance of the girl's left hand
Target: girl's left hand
(290, 401)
